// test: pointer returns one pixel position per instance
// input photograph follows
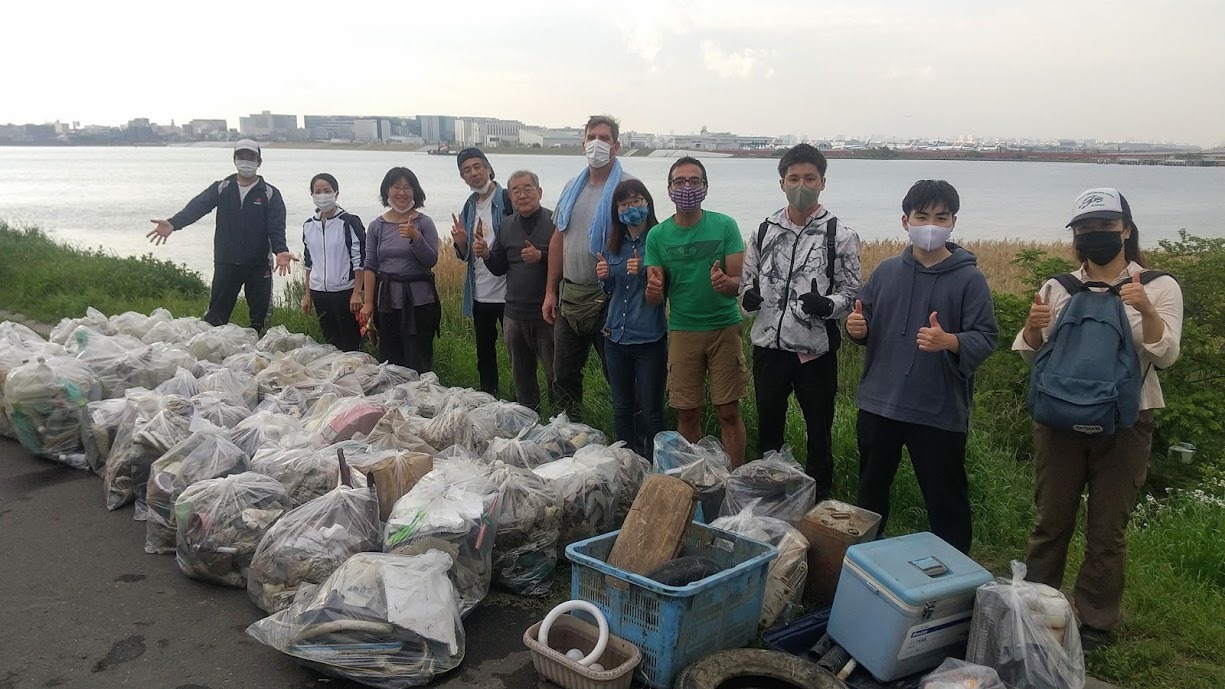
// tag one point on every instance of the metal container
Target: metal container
(831, 527)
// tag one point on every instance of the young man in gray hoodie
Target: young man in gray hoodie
(928, 322)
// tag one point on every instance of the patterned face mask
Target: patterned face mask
(687, 198)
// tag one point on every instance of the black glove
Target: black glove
(816, 304)
(752, 298)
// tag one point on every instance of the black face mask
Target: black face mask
(1099, 248)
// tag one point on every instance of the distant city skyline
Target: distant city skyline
(1097, 69)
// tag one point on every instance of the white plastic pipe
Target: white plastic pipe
(543, 635)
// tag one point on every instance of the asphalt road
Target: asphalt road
(83, 606)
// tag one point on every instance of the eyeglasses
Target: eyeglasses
(522, 191)
(632, 201)
(682, 182)
(402, 187)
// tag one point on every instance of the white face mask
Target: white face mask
(400, 209)
(599, 153)
(482, 190)
(246, 168)
(324, 202)
(929, 237)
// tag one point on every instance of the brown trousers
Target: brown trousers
(1113, 468)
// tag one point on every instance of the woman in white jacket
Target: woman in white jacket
(335, 248)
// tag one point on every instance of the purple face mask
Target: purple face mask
(687, 199)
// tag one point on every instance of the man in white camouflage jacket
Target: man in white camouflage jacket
(801, 274)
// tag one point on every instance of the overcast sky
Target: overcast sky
(937, 68)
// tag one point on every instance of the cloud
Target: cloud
(909, 72)
(738, 65)
(641, 40)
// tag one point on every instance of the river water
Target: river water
(106, 196)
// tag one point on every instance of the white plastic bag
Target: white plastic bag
(958, 674)
(183, 384)
(788, 572)
(218, 343)
(456, 427)
(504, 419)
(529, 527)
(588, 491)
(455, 511)
(101, 424)
(775, 485)
(1027, 632)
(562, 438)
(279, 339)
(280, 374)
(207, 453)
(309, 353)
(93, 320)
(306, 471)
(517, 453)
(377, 379)
(178, 331)
(220, 522)
(310, 542)
(45, 401)
(219, 409)
(238, 386)
(385, 621)
(392, 432)
(264, 429)
(248, 362)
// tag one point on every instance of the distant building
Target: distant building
(721, 141)
(636, 140)
(550, 138)
(329, 127)
(205, 128)
(486, 131)
(371, 130)
(266, 125)
(437, 128)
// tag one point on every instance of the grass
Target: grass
(1174, 631)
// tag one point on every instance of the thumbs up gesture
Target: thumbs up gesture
(856, 324)
(530, 254)
(722, 282)
(1039, 314)
(1133, 295)
(633, 265)
(479, 246)
(655, 284)
(816, 304)
(933, 338)
(601, 267)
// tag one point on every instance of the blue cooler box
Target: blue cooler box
(904, 604)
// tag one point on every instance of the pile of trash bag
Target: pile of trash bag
(588, 491)
(98, 431)
(219, 523)
(958, 674)
(379, 378)
(239, 387)
(160, 423)
(455, 510)
(529, 527)
(206, 453)
(517, 453)
(183, 383)
(278, 339)
(392, 432)
(562, 438)
(137, 325)
(250, 363)
(310, 542)
(122, 363)
(309, 354)
(45, 400)
(280, 374)
(219, 409)
(703, 465)
(505, 419)
(456, 427)
(1027, 632)
(385, 621)
(93, 320)
(776, 485)
(788, 572)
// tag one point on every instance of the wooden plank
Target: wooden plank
(655, 528)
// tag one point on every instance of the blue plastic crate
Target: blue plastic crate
(676, 625)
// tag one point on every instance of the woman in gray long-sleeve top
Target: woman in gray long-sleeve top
(401, 251)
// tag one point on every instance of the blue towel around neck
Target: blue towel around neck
(603, 214)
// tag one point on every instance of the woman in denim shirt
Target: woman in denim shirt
(636, 351)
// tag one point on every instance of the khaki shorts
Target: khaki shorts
(693, 354)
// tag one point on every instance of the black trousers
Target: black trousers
(416, 351)
(939, 460)
(339, 326)
(254, 279)
(570, 352)
(486, 317)
(776, 376)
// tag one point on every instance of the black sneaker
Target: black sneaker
(1093, 639)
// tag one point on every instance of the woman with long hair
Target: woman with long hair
(636, 348)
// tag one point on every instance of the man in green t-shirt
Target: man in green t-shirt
(694, 259)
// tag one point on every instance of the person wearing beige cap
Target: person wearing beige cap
(1075, 335)
(250, 225)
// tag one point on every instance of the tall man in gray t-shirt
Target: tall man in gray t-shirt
(574, 301)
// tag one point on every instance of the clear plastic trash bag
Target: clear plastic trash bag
(310, 542)
(219, 409)
(703, 465)
(94, 320)
(98, 431)
(377, 379)
(178, 331)
(278, 339)
(1027, 632)
(219, 523)
(385, 621)
(958, 674)
(218, 343)
(776, 485)
(183, 384)
(207, 453)
(517, 453)
(45, 400)
(238, 386)
(529, 527)
(265, 429)
(306, 471)
(788, 572)
(456, 427)
(392, 432)
(562, 437)
(588, 491)
(456, 511)
(250, 363)
(505, 419)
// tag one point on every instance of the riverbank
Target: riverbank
(1173, 634)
